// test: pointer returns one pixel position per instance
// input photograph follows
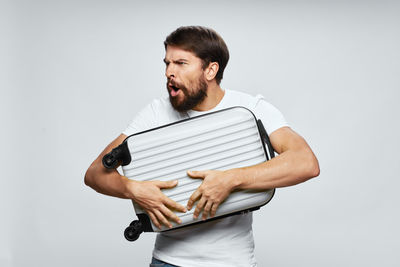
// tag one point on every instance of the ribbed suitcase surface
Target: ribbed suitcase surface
(220, 140)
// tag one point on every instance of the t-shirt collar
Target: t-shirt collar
(220, 105)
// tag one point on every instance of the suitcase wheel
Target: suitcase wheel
(133, 231)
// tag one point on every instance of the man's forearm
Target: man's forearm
(108, 182)
(289, 168)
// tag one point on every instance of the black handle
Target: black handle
(264, 135)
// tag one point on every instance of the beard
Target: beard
(191, 97)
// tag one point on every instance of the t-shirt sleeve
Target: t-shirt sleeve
(270, 116)
(143, 120)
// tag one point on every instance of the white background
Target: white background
(74, 73)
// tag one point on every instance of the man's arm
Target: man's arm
(296, 163)
(145, 193)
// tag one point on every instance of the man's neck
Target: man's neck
(214, 96)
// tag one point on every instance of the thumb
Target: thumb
(167, 184)
(197, 174)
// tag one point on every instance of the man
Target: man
(195, 60)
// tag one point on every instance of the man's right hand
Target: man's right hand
(158, 206)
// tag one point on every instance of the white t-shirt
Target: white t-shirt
(222, 242)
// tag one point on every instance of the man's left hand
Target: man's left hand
(215, 188)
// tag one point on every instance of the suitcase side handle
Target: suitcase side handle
(119, 155)
(265, 138)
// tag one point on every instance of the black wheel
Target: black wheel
(109, 161)
(133, 231)
(131, 234)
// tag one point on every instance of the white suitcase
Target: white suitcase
(219, 140)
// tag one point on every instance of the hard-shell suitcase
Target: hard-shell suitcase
(220, 140)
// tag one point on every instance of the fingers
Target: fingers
(158, 205)
(163, 212)
(199, 207)
(154, 219)
(193, 198)
(166, 184)
(162, 219)
(207, 209)
(214, 209)
(167, 201)
(196, 174)
(160, 215)
(167, 212)
(174, 205)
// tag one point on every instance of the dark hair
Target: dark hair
(204, 42)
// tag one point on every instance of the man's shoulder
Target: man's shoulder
(239, 94)
(244, 99)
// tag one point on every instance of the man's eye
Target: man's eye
(181, 62)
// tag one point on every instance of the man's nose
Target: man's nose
(170, 71)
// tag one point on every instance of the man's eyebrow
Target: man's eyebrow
(178, 60)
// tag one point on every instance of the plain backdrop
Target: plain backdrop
(74, 73)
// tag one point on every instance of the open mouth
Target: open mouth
(174, 91)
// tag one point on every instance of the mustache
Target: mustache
(176, 84)
(172, 82)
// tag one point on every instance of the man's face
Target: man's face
(186, 84)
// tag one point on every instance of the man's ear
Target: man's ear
(211, 71)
